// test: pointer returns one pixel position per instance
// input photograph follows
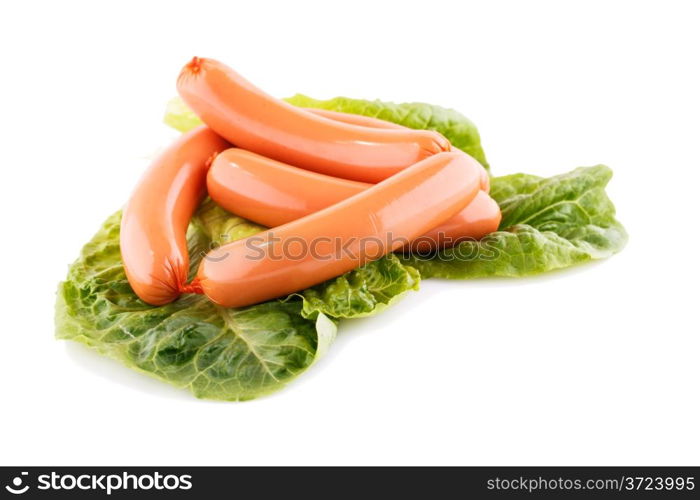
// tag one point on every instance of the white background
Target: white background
(597, 365)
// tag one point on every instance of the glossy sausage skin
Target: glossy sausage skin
(253, 120)
(353, 119)
(154, 222)
(272, 193)
(341, 237)
(481, 217)
(368, 121)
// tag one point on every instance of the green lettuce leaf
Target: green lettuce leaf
(179, 116)
(220, 226)
(217, 353)
(458, 129)
(507, 186)
(362, 292)
(547, 224)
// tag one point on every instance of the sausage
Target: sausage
(369, 121)
(353, 119)
(272, 193)
(253, 120)
(154, 221)
(481, 217)
(341, 237)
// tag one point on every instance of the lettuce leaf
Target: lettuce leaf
(507, 186)
(179, 116)
(217, 353)
(458, 129)
(547, 224)
(362, 292)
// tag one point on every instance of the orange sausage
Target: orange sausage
(272, 193)
(255, 121)
(368, 121)
(154, 221)
(481, 217)
(353, 119)
(341, 237)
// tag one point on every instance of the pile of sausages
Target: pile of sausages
(337, 190)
